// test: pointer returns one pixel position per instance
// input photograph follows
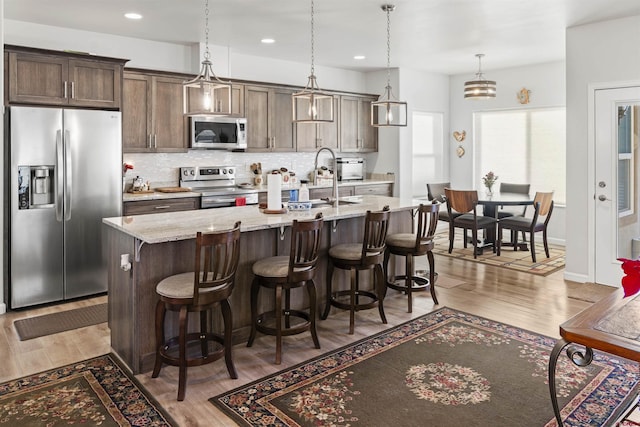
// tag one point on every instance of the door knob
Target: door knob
(602, 198)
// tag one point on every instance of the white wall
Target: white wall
(605, 53)
(547, 85)
(422, 91)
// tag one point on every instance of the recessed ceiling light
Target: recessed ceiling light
(267, 40)
(132, 15)
(359, 57)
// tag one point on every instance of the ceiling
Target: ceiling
(433, 35)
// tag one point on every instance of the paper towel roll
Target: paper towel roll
(274, 192)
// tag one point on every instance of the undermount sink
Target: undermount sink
(350, 200)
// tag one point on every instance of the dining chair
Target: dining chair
(543, 207)
(435, 192)
(466, 202)
(506, 187)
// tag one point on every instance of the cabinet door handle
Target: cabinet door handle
(150, 141)
(155, 140)
(73, 90)
(64, 87)
(162, 207)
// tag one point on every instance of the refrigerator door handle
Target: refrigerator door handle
(68, 175)
(59, 178)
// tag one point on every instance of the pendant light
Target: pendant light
(207, 94)
(311, 105)
(388, 111)
(480, 88)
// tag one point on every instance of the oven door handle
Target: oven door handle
(210, 200)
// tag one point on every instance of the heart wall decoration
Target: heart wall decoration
(459, 136)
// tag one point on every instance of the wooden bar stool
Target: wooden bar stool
(367, 255)
(410, 245)
(283, 273)
(210, 283)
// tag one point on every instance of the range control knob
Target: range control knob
(230, 171)
(224, 171)
(192, 172)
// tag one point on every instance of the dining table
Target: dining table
(490, 206)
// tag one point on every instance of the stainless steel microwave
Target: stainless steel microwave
(219, 133)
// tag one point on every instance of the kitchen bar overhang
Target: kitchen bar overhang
(159, 245)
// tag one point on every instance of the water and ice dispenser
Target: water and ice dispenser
(35, 187)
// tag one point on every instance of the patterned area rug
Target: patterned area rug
(513, 260)
(94, 392)
(444, 368)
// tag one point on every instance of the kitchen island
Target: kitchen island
(159, 245)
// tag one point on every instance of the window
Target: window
(428, 141)
(523, 146)
(625, 160)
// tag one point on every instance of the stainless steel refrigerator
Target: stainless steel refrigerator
(65, 176)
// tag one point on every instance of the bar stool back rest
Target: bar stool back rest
(375, 235)
(305, 244)
(216, 264)
(427, 224)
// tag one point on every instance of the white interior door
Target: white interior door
(616, 181)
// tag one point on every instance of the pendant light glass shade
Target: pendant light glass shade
(388, 111)
(311, 105)
(480, 88)
(206, 94)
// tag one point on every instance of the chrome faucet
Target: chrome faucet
(334, 198)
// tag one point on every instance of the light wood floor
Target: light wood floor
(535, 303)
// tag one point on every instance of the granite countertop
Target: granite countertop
(136, 197)
(171, 226)
(156, 195)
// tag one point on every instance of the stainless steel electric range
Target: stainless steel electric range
(217, 184)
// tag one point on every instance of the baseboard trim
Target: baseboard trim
(574, 277)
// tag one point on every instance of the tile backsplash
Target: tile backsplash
(162, 169)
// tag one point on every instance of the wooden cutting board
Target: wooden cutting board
(172, 189)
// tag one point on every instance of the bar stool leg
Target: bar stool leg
(255, 288)
(352, 297)
(182, 358)
(432, 277)
(278, 316)
(204, 347)
(228, 337)
(409, 280)
(287, 308)
(311, 289)
(381, 286)
(160, 315)
(329, 278)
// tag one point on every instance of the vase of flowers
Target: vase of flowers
(489, 179)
